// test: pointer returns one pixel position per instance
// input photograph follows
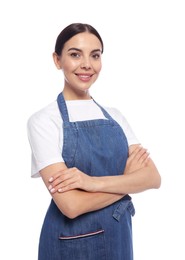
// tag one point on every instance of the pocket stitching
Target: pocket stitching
(81, 235)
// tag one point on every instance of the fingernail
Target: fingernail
(50, 187)
(52, 190)
(60, 190)
(51, 179)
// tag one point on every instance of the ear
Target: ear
(57, 61)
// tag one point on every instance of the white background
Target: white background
(143, 76)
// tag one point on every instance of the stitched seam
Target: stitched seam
(81, 236)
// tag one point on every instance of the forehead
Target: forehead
(82, 41)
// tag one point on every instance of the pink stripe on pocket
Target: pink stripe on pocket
(82, 235)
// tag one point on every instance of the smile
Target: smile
(84, 77)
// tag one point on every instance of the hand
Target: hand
(69, 179)
(137, 159)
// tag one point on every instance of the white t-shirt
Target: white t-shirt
(45, 130)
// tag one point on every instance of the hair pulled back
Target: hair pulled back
(70, 31)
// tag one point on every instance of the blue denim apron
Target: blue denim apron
(98, 148)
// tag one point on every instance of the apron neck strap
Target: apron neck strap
(106, 114)
(62, 107)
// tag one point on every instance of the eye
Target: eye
(75, 54)
(96, 56)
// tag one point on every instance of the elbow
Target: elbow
(70, 211)
(69, 205)
(71, 214)
(153, 176)
(156, 183)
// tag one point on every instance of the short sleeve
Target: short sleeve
(44, 134)
(121, 120)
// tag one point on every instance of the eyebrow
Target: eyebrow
(76, 49)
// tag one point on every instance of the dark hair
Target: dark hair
(70, 31)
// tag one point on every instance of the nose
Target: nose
(86, 64)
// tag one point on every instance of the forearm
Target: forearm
(76, 202)
(137, 181)
(139, 175)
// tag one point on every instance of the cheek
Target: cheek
(97, 65)
(68, 65)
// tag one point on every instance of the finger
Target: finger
(70, 184)
(61, 187)
(55, 176)
(141, 154)
(134, 151)
(144, 158)
(68, 187)
(137, 153)
(60, 179)
(77, 181)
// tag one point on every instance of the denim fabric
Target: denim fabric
(98, 148)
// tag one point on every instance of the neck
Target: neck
(75, 95)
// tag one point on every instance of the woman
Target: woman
(88, 158)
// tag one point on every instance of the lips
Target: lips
(84, 77)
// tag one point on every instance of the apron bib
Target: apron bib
(98, 148)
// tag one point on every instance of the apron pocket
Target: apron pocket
(88, 246)
(125, 205)
(82, 235)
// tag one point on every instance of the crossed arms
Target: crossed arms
(75, 193)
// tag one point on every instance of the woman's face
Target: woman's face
(80, 61)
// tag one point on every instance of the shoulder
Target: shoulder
(44, 135)
(116, 114)
(122, 121)
(49, 115)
